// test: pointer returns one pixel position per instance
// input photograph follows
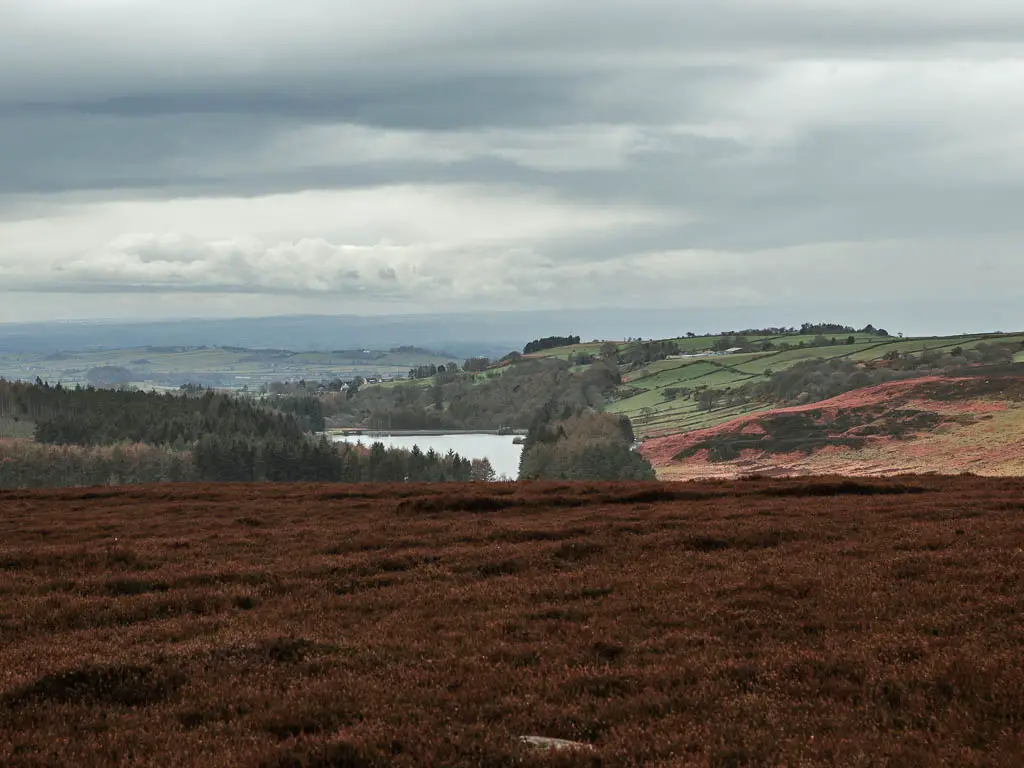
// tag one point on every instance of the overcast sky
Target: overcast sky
(247, 157)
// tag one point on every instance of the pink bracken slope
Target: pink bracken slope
(899, 394)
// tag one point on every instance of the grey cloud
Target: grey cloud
(457, 101)
(316, 267)
(743, 127)
(56, 151)
(151, 263)
(123, 46)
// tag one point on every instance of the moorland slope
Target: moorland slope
(661, 397)
(800, 404)
(944, 424)
(764, 622)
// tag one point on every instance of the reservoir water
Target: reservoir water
(498, 449)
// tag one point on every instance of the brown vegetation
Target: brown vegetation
(758, 622)
(947, 424)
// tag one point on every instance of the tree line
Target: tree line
(28, 464)
(89, 416)
(550, 342)
(510, 397)
(87, 436)
(807, 329)
(241, 460)
(428, 371)
(564, 443)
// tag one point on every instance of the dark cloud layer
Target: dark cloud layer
(459, 151)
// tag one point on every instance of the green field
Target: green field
(641, 396)
(563, 353)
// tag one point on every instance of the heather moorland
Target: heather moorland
(824, 621)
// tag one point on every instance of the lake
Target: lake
(498, 449)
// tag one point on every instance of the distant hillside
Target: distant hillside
(669, 386)
(227, 367)
(672, 386)
(945, 424)
(492, 333)
(459, 335)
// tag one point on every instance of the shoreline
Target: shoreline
(346, 432)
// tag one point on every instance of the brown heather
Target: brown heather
(758, 622)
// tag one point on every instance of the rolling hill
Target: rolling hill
(643, 395)
(228, 367)
(947, 425)
(945, 410)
